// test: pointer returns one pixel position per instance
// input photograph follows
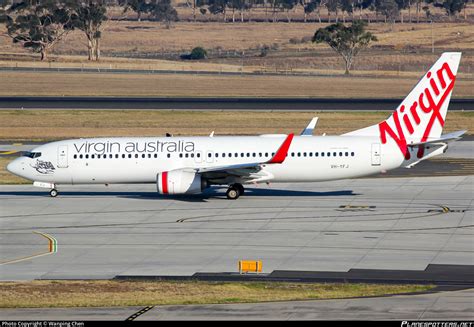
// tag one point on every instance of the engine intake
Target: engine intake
(179, 182)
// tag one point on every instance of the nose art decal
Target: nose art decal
(43, 167)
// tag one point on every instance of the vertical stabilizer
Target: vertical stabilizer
(421, 115)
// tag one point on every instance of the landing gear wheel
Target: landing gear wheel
(233, 193)
(53, 193)
(240, 188)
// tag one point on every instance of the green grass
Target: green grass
(106, 293)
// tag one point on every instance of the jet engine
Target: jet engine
(179, 182)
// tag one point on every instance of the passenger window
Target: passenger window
(116, 156)
(168, 155)
(311, 154)
(223, 155)
(292, 154)
(248, 154)
(340, 154)
(129, 155)
(334, 154)
(199, 155)
(209, 155)
(316, 154)
(123, 155)
(93, 157)
(155, 155)
(328, 154)
(322, 154)
(230, 155)
(352, 154)
(180, 155)
(75, 156)
(217, 155)
(111, 156)
(192, 155)
(87, 156)
(299, 154)
(254, 154)
(242, 155)
(80, 156)
(260, 154)
(186, 155)
(304, 154)
(347, 154)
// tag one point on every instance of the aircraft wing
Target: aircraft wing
(445, 138)
(252, 167)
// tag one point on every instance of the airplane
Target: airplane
(186, 165)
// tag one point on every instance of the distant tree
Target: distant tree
(346, 41)
(89, 17)
(388, 8)
(332, 6)
(287, 5)
(402, 4)
(38, 25)
(347, 6)
(139, 6)
(197, 53)
(454, 7)
(241, 6)
(310, 7)
(163, 11)
(217, 7)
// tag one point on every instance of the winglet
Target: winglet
(280, 155)
(308, 131)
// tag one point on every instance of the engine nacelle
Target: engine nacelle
(179, 182)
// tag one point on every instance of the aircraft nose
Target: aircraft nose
(15, 167)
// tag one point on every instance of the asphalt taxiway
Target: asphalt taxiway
(101, 232)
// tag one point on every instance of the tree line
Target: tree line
(40, 24)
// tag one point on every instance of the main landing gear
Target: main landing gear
(53, 193)
(234, 191)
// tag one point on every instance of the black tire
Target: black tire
(53, 193)
(240, 188)
(232, 193)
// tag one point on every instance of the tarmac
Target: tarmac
(101, 232)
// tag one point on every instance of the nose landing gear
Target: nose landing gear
(234, 191)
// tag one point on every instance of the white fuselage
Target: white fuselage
(139, 160)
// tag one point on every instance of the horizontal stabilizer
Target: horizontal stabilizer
(445, 138)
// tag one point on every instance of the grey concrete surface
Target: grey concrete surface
(131, 230)
(457, 305)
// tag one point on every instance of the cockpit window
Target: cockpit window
(31, 154)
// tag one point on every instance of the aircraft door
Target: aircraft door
(376, 158)
(62, 156)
